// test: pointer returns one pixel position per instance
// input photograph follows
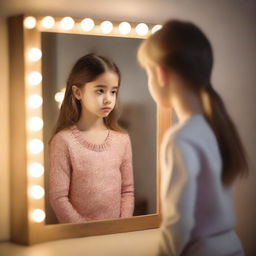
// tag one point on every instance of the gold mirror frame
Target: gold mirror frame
(27, 227)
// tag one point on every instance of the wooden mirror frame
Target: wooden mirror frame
(24, 229)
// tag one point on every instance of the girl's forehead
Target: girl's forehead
(106, 80)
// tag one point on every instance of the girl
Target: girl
(202, 154)
(91, 175)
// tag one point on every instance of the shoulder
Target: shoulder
(123, 137)
(196, 132)
(61, 138)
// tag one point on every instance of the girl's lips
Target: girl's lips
(106, 109)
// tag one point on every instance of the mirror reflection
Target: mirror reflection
(100, 163)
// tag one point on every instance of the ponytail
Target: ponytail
(233, 155)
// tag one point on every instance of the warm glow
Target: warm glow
(36, 170)
(34, 54)
(48, 22)
(29, 22)
(34, 78)
(35, 146)
(59, 96)
(142, 29)
(124, 28)
(67, 23)
(36, 191)
(155, 28)
(106, 27)
(35, 124)
(87, 24)
(38, 215)
(35, 101)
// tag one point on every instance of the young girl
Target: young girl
(202, 154)
(91, 175)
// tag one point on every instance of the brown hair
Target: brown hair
(182, 47)
(85, 70)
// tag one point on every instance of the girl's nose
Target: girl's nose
(106, 100)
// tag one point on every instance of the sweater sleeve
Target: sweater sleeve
(59, 182)
(180, 167)
(127, 189)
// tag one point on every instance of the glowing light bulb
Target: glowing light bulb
(34, 54)
(106, 27)
(36, 170)
(35, 146)
(35, 101)
(34, 78)
(29, 22)
(38, 215)
(155, 28)
(35, 124)
(36, 191)
(59, 96)
(87, 24)
(67, 23)
(48, 22)
(124, 28)
(142, 29)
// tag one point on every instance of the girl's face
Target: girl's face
(157, 81)
(99, 96)
(152, 84)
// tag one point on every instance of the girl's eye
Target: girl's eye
(114, 92)
(100, 91)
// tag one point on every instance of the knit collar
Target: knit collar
(79, 136)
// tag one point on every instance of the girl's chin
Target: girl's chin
(104, 114)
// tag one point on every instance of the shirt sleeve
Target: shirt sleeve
(59, 182)
(127, 187)
(180, 168)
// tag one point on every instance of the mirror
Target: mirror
(34, 80)
(138, 111)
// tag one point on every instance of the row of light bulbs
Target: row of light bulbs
(87, 25)
(35, 123)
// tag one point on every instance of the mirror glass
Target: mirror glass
(138, 111)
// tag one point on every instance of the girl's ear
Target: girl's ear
(163, 75)
(76, 92)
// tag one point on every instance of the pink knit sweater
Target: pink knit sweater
(90, 181)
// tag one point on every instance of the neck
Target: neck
(186, 103)
(89, 121)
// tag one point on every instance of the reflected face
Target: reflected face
(99, 96)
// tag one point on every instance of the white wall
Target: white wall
(230, 25)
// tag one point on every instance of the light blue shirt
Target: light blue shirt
(197, 210)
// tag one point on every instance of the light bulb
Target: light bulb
(59, 96)
(34, 54)
(155, 28)
(34, 78)
(35, 146)
(48, 22)
(36, 170)
(142, 29)
(67, 23)
(36, 191)
(35, 101)
(35, 124)
(124, 28)
(29, 22)
(38, 215)
(87, 24)
(106, 27)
